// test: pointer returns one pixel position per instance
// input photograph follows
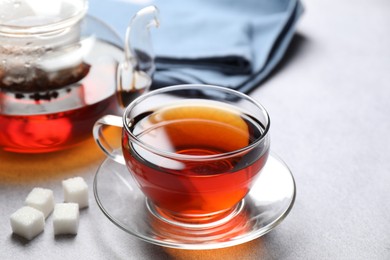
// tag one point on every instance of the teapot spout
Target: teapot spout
(134, 74)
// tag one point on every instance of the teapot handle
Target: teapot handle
(138, 45)
(135, 72)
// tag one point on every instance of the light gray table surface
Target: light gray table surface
(329, 103)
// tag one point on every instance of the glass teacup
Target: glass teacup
(194, 150)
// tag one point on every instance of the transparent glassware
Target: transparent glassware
(267, 204)
(195, 151)
(194, 170)
(61, 70)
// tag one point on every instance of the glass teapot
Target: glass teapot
(61, 70)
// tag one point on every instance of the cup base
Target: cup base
(195, 221)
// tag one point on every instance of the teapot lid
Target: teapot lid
(37, 16)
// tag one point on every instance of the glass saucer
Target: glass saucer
(266, 205)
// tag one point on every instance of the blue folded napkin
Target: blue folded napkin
(230, 43)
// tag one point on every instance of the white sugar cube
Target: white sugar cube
(41, 199)
(27, 222)
(66, 218)
(76, 190)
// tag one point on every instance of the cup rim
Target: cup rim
(173, 155)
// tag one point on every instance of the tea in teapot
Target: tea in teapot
(60, 70)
